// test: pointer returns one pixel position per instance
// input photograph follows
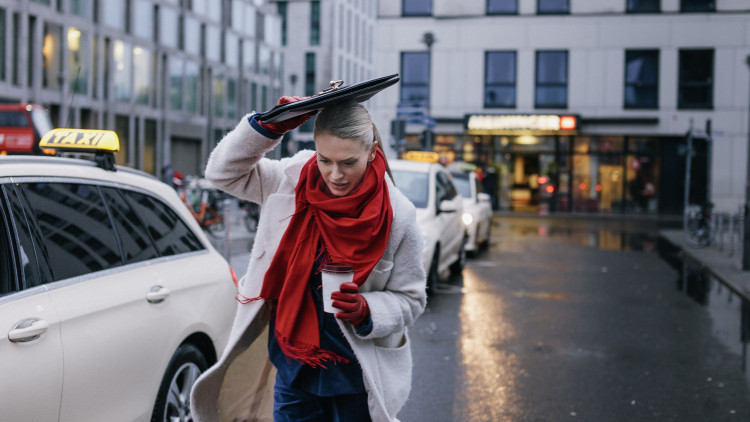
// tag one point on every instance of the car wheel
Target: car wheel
(173, 399)
(486, 243)
(432, 274)
(475, 250)
(458, 266)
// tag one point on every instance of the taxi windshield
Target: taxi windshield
(414, 185)
(461, 181)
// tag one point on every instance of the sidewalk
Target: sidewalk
(726, 269)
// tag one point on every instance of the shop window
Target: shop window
(500, 79)
(697, 5)
(502, 7)
(696, 79)
(551, 79)
(641, 79)
(643, 6)
(415, 77)
(417, 7)
(553, 6)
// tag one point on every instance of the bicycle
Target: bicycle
(209, 206)
(699, 225)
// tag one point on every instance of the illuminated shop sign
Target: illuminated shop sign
(481, 123)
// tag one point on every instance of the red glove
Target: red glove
(284, 126)
(352, 304)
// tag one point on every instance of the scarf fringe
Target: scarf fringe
(307, 354)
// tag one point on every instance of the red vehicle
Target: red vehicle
(21, 128)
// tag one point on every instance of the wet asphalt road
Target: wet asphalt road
(578, 320)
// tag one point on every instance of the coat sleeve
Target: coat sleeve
(404, 297)
(237, 166)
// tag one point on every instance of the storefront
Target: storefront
(540, 163)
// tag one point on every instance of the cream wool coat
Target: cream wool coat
(239, 387)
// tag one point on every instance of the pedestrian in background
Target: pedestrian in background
(337, 204)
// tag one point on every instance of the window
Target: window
(142, 75)
(170, 234)
(219, 90)
(281, 8)
(7, 279)
(122, 54)
(134, 239)
(192, 86)
(553, 6)
(697, 5)
(78, 71)
(696, 79)
(309, 74)
(80, 8)
(502, 7)
(500, 79)
(551, 79)
(29, 272)
(642, 79)
(168, 26)
(143, 25)
(417, 8)
(644, 6)
(175, 72)
(2, 44)
(444, 189)
(415, 77)
(78, 236)
(113, 15)
(314, 23)
(52, 53)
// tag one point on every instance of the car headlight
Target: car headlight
(467, 218)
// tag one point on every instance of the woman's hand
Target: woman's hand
(285, 126)
(353, 305)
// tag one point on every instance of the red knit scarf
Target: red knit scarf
(353, 229)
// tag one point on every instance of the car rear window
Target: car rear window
(13, 119)
(169, 233)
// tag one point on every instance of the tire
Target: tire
(433, 276)
(458, 266)
(173, 399)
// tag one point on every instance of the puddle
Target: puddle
(729, 312)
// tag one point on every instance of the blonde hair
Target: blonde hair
(349, 120)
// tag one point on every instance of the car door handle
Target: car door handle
(28, 330)
(157, 294)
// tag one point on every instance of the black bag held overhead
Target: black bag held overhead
(335, 94)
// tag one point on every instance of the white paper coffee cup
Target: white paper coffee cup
(333, 275)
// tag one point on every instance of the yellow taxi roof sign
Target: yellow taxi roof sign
(81, 140)
(427, 156)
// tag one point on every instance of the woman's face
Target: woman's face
(342, 162)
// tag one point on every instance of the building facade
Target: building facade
(572, 104)
(171, 77)
(323, 41)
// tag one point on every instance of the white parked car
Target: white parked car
(439, 208)
(113, 301)
(477, 214)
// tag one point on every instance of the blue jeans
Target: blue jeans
(294, 405)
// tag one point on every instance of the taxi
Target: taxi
(477, 214)
(429, 186)
(113, 300)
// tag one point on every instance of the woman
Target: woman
(337, 204)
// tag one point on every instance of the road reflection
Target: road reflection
(489, 373)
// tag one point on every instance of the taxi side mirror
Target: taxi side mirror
(447, 206)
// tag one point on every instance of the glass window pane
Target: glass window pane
(170, 234)
(2, 45)
(192, 86)
(415, 76)
(143, 19)
(641, 78)
(231, 95)
(552, 67)
(500, 7)
(52, 56)
(192, 36)
(232, 50)
(123, 61)
(553, 6)
(81, 8)
(78, 60)
(310, 74)
(501, 67)
(113, 15)
(696, 79)
(31, 274)
(134, 239)
(219, 90)
(142, 75)
(175, 83)
(78, 233)
(168, 26)
(697, 5)
(248, 55)
(315, 23)
(417, 7)
(213, 43)
(643, 6)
